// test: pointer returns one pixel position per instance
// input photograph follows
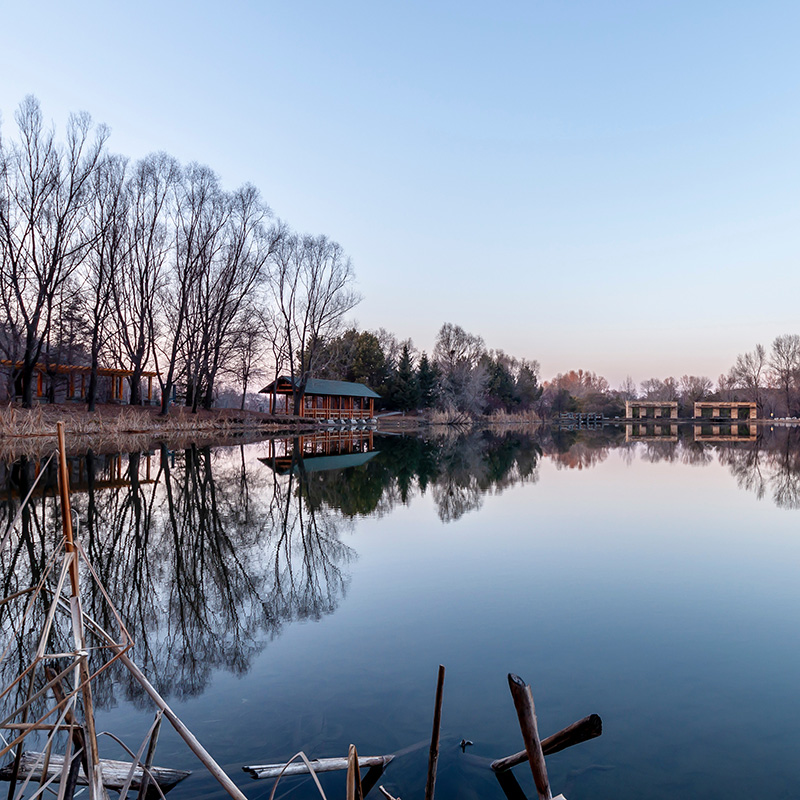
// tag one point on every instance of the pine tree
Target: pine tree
(406, 389)
(427, 382)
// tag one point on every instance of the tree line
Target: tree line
(151, 265)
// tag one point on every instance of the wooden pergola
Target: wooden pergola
(77, 379)
(323, 399)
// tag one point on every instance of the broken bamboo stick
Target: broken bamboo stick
(115, 773)
(433, 756)
(191, 740)
(526, 712)
(581, 731)
(319, 764)
(354, 791)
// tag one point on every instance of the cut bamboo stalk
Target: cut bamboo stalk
(319, 764)
(148, 759)
(191, 740)
(96, 787)
(353, 775)
(581, 731)
(433, 757)
(526, 712)
(116, 772)
(386, 794)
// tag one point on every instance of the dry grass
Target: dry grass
(501, 417)
(450, 416)
(123, 428)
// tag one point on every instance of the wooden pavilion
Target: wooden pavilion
(323, 399)
(72, 380)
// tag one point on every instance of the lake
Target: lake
(300, 594)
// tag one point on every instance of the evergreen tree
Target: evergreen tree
(405, 389)
(427, 382)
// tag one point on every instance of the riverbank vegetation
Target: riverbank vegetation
(153, 269)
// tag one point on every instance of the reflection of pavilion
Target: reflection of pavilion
(653, 433)
(725, 433)
(108, 473)
(318, 452)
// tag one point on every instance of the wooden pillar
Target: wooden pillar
(83, 385)
(149, 388)
(372, 407)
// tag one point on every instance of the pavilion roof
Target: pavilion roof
(318, 386)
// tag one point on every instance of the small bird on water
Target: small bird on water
(465, 743)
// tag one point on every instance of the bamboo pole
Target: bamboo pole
(96, 785)
(148, 760)
(581, 731)
(526, 712)
(191, 740)
(433, 756)
(353, 775)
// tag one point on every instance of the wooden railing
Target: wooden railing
(336, 413)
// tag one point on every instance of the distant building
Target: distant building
(65, 382)
(323, 399)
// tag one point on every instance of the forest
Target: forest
(153, 266)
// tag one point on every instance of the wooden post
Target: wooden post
(433, 756)
(526, 712)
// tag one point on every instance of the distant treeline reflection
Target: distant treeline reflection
(208, 553)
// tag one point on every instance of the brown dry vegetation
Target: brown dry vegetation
(117, 428)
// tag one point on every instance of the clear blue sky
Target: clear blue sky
(605, 185)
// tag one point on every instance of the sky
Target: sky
(610, 186)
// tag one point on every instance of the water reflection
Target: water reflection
(208, 553)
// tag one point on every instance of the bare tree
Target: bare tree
(694, 388)
(750, 369)
(45, 192)
(627, 391)
(226, 288)
(108, 221)
(136, 287)
(200, 214)
(784, 365)
(312, 290)
(458, 355)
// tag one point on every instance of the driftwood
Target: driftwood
(581, 731)
(526, 712)
(319, 764)
(433, 756)
(115, 773)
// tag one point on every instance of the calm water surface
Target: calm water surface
(285, 603)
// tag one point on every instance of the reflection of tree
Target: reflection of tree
(771, 464)
(459, 467)
(204, 558)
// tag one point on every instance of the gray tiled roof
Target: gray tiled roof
(336, 388)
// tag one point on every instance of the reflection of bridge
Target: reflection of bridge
(321, 451)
